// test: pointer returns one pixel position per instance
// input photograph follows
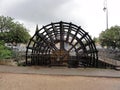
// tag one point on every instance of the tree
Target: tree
(110, 37)
(18, 34)
(6, 23)
(96, 40)
(12, 32)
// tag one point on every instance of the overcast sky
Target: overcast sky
(88, 14)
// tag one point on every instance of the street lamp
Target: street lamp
(106, 10)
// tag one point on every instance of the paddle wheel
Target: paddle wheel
(61, 43)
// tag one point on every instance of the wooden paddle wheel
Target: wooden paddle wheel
(61, 43)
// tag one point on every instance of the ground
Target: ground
(10, 81)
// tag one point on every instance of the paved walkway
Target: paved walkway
(61, 71)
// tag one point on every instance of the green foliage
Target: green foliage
(18, 34)
(12, 32)
(96, 40)
(5, 23)
(5, 53)
(110, 37)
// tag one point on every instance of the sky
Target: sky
(88, 14)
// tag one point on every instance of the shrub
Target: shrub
(5, 53)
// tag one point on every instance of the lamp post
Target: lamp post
(106, 10)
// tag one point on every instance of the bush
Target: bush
(5, 53)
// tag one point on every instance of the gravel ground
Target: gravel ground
(64, 71)
(10, 81)
(58, 78)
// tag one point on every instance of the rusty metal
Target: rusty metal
(62, 43)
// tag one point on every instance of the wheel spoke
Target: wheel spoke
(69, 31)
(72, 46)
(61, 36)
(75, 35)
(54, 30)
